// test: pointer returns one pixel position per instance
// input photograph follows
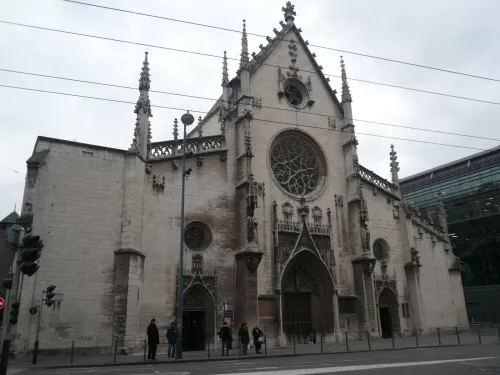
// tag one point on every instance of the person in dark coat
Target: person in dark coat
(172, 340)
(226, 336)
(244, 338)
(153, 339)
(258, 338)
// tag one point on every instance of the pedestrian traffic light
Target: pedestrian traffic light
(31, 250)
(14, 313)
(49, 295)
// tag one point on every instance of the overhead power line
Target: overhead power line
(237, 59)
(264, 120)
(264, 36)
(263, 106)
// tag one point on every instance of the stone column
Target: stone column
(363, 285)
(336, 317)
(247, 309)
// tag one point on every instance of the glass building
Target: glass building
(470, 190)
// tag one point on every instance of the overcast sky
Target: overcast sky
(459, 35)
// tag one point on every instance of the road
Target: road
(465, 360)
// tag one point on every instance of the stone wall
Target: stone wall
(77, 212)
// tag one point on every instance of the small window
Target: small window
(406, 310)
(347, 305)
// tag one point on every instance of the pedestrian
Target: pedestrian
(153, 339)
(226, 336)
(258, 339)
(172, 340)
(244, 338)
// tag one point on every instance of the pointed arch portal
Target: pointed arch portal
(307, 290)
(197, 316)
(388, 312)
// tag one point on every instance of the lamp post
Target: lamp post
(14, 237)
(187, 119)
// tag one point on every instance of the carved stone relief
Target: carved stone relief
(287, 210)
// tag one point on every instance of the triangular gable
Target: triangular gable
(260, 58)
(305, 240)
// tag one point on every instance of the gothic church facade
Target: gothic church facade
(282, 222)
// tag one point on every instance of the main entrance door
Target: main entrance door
(307, 300)
(193, 330)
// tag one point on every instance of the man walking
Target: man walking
(153, 339)
(172, 340)
(244, 338)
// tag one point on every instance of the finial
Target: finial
(225, 76)
(200, 128)
(289, 11)
(176, 130)
(394, 166)
(244, 60)
(144, 81)
(15, 206)
(346, 93)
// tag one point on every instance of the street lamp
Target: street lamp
(187, 119)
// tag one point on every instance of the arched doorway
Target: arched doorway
(307, 292)
(197, 317)
(388, 312)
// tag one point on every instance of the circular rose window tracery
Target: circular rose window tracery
(297, 164)
(197, 236)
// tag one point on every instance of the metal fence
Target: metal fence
(317, 343)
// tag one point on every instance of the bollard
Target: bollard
(392, 338)
(479, 335)
(498, 330)
(347, 340)
(144, 353)
(322, 336)
(439, 336)
(458, 335)
(294, 349)
(208, 346)
(265, 345)
(416, 337)
(72, 351)
(116, 346)
(368, 338)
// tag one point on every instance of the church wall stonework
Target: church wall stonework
(77, 213)
(111, 220)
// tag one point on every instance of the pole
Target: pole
(416, 336)
(178, 349)
(72, 351)
(439, 336)
(479, 335)
(368, 338)
(346, 340)
(37, 339)
(145, 346)
(4, 362)
(458, 335)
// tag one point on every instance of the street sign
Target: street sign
(2, 303)
(229, 315)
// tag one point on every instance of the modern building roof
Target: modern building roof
(478, 155)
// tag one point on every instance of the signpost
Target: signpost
(2, 303)
(229, 315)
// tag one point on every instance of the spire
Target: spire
(225, 76)
(144, 81)
(289, 11)
(346, 93)
(176, 130)
(394, 166)
(244, 60)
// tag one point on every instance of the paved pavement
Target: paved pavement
(487, 336)
(459, 360)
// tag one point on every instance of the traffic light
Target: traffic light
(49, 295)
(31, 250)
(7, 282)
(14, 313)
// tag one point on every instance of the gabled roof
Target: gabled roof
(259, 58)
(10, 218)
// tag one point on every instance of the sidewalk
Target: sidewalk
(354, 345)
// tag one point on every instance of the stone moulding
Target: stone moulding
(252, 259)
(130, 251)
(379, 182)
(196, 146)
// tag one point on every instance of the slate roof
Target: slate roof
(10, 218)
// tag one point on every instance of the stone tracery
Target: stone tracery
(295, 164)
